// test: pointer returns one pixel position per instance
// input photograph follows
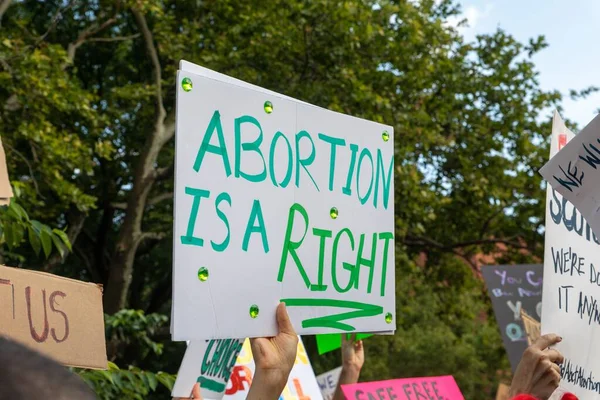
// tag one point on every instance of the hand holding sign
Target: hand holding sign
(353, 358)
(195, 394)
(353, 353)
(538, 372)
(274, 358)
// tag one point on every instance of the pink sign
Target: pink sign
(432, 388)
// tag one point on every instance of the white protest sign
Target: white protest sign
(210, 363)
(328, 382)
(573, 172)
(278, 200)
(570, 287)
(302, 384)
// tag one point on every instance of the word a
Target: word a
(256, 222)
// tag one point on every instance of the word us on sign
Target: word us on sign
(277, 200)
(59, 317)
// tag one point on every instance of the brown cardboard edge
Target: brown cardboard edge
(62, 278)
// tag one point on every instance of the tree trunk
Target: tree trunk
(145, 174)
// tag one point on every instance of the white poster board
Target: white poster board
(570, 288)
(328, 382)
(302, 384)
(574, 173)
(278, 200)
(210, 363)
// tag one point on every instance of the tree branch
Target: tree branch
(114, 38)
(85, 35)
(165, 172)
(161, 197)
(144, 176)
(156, 68)
(55, 19)
(153, 201)
(4, 4)
(424, 241)
(26, 161)
(152, 235)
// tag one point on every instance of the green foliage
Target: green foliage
(16, 228)
(133, 327)
(131, 383)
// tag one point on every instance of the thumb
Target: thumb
(196, 392)
(283, 320)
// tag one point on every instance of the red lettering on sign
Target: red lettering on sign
(9, 283)
(38, 338)
(53, 303)
(562, 141)
(299, 392)
(239, 375)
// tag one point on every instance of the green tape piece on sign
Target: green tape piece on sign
(332, 341)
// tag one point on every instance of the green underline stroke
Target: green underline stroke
(333, 321)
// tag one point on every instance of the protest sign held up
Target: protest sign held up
(331, 341)
(532, 327)
(208, 362)
(571, 271)
(302, 383)
(328, 382)
(57, 316)
(277, 201)
(513, 288)
(435, 387)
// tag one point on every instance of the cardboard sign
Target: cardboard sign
(328, 382)
(503, 391)
(333, 341)
(59, 317)
(573, 172)
(436, 387)
(281, 201)
(210, 363)
(532, 327)
(571, 292)
(6, 192)
(302, 384)
(513, 288)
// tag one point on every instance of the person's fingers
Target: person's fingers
(554, 356)
(551, 378)
(345, 339)
(283, 320)
(546, 341)
(544, 369)
(196, 395)
(358, 345)
(353, 338)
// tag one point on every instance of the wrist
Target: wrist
(351, 368)
(267, 384)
